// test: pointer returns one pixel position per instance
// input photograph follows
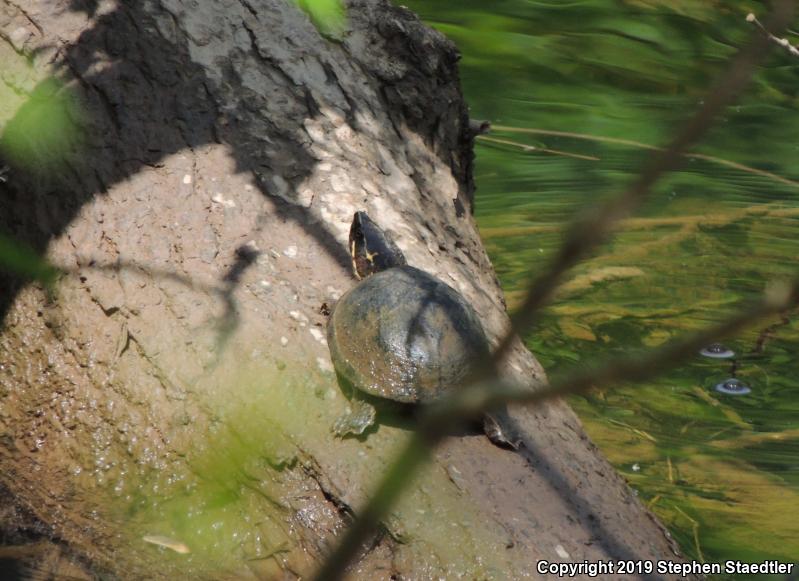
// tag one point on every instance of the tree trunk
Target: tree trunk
(177, 392)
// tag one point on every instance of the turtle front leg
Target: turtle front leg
(356, 420)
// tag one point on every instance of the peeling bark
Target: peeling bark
(224, 146)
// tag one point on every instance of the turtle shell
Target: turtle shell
(404, 335)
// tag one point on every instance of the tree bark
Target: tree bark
(178, 385)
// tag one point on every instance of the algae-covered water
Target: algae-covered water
(722, 471)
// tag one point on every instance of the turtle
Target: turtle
(401, 334)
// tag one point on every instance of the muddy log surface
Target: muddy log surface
(167, 413)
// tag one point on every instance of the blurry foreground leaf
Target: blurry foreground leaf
(327, 15)
(21, 260)
(40, 133)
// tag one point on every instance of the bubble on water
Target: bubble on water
(733, 386)
(717, 351)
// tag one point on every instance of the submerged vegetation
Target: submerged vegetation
(605, 86)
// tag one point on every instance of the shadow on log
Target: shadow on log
(198, 130)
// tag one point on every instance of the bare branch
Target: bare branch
(442, 418)
(526, 148)
(783, 42)
(583, 236)
(594, 227)
(641, 145)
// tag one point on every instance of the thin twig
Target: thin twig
(593, 228)
(524, 147)
(474, 399)
(487, 392)
(641, 145)
(441, 419)
(783, 42)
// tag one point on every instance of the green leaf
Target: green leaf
(328, 16)
(19, 259)
(42, 131)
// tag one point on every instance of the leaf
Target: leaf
(19, 259)
(328, 16)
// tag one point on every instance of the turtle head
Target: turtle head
(370, 249)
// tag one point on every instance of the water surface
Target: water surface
(722, 471)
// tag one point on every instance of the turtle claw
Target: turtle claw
(360, 416)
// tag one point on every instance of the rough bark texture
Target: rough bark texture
(178, 384)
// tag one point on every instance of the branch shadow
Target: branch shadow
(146, 97)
